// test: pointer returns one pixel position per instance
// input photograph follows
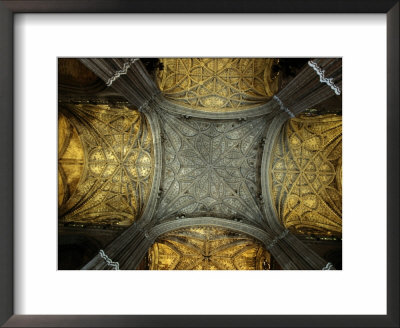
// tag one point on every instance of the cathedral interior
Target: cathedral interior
(199, 163)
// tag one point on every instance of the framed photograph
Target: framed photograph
(152, 139)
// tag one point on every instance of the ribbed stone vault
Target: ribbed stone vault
(212, 168)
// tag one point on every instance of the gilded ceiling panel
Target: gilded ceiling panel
(70, 159)
(117, 165)
(210, 168)
(207, 248)
(218, 84)
(306, 175)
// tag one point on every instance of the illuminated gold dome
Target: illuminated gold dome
(218, 84)
(207, 248)
(118, 165)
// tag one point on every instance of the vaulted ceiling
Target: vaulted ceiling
(209, 164)
(207, 248)
(218, 84)
(306, 175)
(115, 145)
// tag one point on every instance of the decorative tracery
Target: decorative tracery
(218, 84)
(207, 248)
(306, 175)
(118, 165)
(210, 168)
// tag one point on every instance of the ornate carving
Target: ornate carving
(328, 266)
(210, 168)
(306, 175)
(205, 146)
(218, 84)
(323, 79)
(122, 71)
(114, 265)
(118, 165)
(207, 248)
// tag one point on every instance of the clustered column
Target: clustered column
(128, 76)
(292, 254)
(119, 255)
(318, 81)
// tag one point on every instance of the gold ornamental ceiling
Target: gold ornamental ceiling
(210, 168)
(70, 159)
(218, 84)
(306, 174)
(207, 248)
(112, 159)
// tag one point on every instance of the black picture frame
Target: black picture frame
(7, 10)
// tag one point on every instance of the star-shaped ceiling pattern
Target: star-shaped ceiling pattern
(210, 168)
